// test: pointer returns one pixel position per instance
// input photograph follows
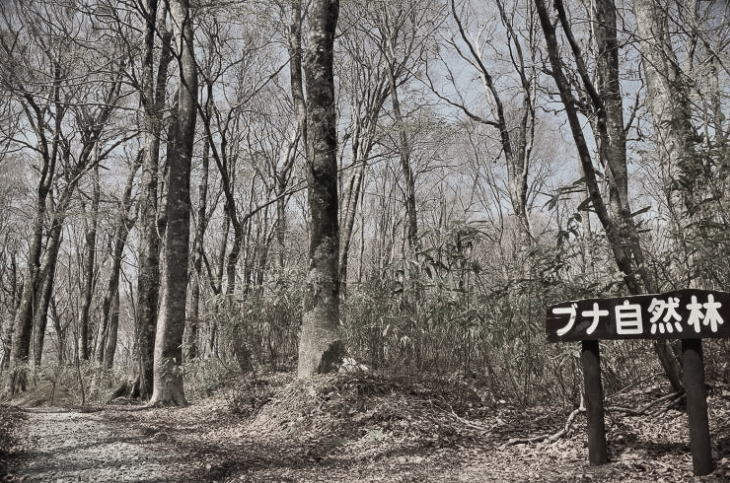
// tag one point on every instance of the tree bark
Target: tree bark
(168, 381)
(148, 278)
(320, 346)
(48, 274)
(89, 268)
(191, 329)
(670, 108)
(23, 321)
(110, 341)
(121, 231)
(300, 135)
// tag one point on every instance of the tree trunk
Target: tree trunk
(110, 341)
(295, 68)
(168, 381)
(404, 152)
(191, 329)
(48, 269)
(89, 268)
(60, 333)
(518, 164)
(148, 278)
(320, 346)
(612, 149)
(353, 198)
(300, 136)
(670, 108)
(616, 220)
(48, 274)
(23, 321)
(119, 241)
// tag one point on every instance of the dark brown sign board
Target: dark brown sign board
(684, 314)
(689, 315)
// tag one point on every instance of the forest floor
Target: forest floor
(352, 428)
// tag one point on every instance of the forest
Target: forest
(317, 240)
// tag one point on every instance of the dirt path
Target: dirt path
(68, 445)
(354, 431)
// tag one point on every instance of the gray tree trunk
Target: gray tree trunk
(89, 261)
(670, 108)
(148, 278)
(620, 230)
(23, 321)
(168, 381)
(110, 346)
(404, 152)
(320, 346)
(48, 274)
(191, 329)
(121, 231)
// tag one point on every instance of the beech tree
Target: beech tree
(168, 381)
(69, 122)
(106, 336)
(513, 118)
(152, 98)
(670, 107)
(606, 113)
(320, 346)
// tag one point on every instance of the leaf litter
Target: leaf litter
(362, 427)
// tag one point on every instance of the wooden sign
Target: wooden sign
(684, 314)
(689, 315)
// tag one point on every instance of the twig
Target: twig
(632, 385)
(466, 422)
(672, 403)
(674, 396)
(549, 437)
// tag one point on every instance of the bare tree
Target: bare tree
(152, 96)
(514, 121)
(168, 380)
(670, 107)
(62, 114)
(606, 106)
(107, 331)
(89, 263)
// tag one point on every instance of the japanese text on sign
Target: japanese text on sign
(682, 314)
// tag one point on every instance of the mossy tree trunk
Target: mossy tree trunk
(320, 346)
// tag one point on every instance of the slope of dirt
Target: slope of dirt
(361, 428)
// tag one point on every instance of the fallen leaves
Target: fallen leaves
(366, 428)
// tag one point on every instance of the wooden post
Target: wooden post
(694, 386)
(591, 360)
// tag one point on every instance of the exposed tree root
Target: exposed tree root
(674, 398)
(128, 389)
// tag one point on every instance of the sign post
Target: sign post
(694, 386)
(689, 315)
(590, 357)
